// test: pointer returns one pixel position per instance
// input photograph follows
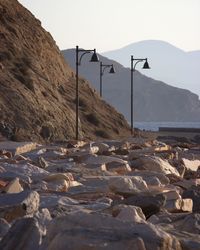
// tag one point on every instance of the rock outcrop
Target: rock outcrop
(37, 87)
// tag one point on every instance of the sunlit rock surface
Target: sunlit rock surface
(79, 199)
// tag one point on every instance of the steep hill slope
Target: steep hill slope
(37, 87)
(153, 100)
(168, 63)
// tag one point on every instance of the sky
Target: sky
(112, 24)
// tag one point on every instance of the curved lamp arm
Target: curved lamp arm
(104, 66)
(140, 60)
(86, 52)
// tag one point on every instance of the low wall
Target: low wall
(185, 130)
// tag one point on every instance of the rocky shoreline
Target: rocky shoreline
(137, 193)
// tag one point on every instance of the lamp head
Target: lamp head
(94, 57)
(112, 70)
(146, 65)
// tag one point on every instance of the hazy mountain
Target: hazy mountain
(153, 100)
(37, 87)
(168, 63)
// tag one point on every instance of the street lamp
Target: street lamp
(145, 66)
(102, 69)
(94, 58)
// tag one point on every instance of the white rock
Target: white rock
(17, 147)
(154, 163)
(17, 205)
(130, 213)
(75, 184)
(59, 176)
(103, 147)
(149, 177)
(127, 184)
(59, 185)
(191, 165)
(25, 169)
(90, 148)
(13, 187)
(118, 167)
(179, 205)
(105, 200)
(173, 205)
(172, 195)
(187, 205)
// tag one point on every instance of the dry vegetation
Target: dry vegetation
(37, 87)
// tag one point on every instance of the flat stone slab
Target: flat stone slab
(17, 147)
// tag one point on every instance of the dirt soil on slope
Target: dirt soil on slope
(37, 87)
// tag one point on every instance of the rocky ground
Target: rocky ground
(136, 193)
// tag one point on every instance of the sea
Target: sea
(154, 126)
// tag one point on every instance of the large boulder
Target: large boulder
(17, 205)
(156, 164)
(128, 213)
(98, 231)
(127, 185)
(149, 177)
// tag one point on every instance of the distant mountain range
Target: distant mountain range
(168, 63)
(153, 100)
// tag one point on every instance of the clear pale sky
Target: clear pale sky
(112, 24)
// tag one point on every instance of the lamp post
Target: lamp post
(94, 58)
(145, 66)
(102, 69)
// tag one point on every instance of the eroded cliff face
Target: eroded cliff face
(37, 86)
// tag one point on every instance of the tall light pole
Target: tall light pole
(102, 69)
(94, 58)
(145, 66)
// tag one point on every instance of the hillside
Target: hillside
(37, 86)
(153, 100)
(168, 63)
